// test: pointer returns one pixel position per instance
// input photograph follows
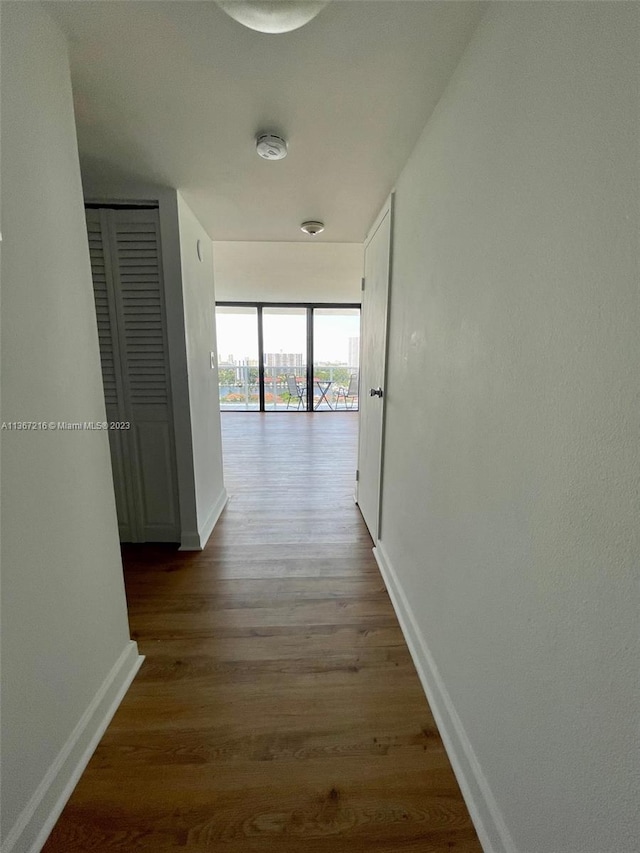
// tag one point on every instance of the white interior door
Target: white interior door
(372, 368)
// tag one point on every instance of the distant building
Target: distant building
(354, 352)
(283, 359)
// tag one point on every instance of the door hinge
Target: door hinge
(357, 476)
(362, 284)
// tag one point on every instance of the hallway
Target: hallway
(278, 708)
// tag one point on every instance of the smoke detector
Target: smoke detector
(271, 147)
(312, 227)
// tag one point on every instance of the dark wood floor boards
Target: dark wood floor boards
(278, 708)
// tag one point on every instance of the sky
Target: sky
(238, 332)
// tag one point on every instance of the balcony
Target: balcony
(239, 388)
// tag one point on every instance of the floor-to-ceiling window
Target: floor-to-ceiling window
(336, 357)
(285, 346)
(288, 357)
(238, 362)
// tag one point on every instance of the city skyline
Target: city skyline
(336, 334)
(281, 359)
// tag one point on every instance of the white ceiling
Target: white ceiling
(175, 92)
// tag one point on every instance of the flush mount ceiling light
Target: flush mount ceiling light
(271, 147)
(312, 227)
(272, 16)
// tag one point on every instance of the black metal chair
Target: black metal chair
(296, 391)
(347, 392)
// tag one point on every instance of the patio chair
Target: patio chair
(348, 392)
(296, 391)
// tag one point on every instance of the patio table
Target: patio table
(323, 387)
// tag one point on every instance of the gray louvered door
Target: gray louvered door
(128, 290)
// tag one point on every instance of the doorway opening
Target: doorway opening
(277, 357)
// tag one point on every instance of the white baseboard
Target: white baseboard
(190, 541)
(39, 816)
(212, 519)
(197, 541)
(487, 818)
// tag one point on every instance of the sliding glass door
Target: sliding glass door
(285, 346)
(238, 364)
(336, 356)
(288, 358)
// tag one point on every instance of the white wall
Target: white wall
(66, 653)
(288, 272)
(510, 498)
(199, 319)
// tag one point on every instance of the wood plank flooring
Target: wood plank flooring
(278, 710)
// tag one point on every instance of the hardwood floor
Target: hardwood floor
(278, 708)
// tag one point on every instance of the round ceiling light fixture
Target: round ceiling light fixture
(312, 227)
(272, 16)
(271, 147)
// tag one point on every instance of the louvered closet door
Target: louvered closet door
(103, 291)
(135, 307)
